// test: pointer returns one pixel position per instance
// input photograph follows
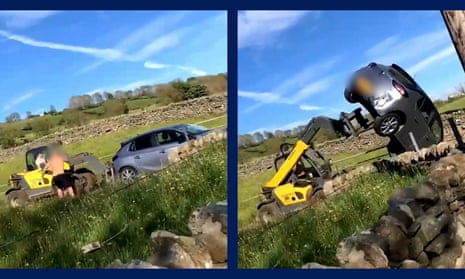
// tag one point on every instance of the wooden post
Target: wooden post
(455, 23)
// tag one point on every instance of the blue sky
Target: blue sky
(48, 56)
(293, 65)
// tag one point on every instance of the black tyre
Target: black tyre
(85, 183)
(268, 213)
(350, 97)
(17, 198)
(128, 175)
(387, 124)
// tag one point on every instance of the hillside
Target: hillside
(268, 145)
(102, 105)
(50, 234)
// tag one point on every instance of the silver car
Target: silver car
(148, 152)
(398, 105)
(389, 94)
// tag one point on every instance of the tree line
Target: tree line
(256, 138)
(84, 108)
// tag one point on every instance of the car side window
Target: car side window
(143, 142)
(169, 136)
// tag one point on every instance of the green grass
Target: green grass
(63, 226)
(249, 187)
(458, 103)
(248, 196)
(105, 145)
(313, 234)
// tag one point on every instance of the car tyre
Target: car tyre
(387, 124)
(128, 175)
(17, 198)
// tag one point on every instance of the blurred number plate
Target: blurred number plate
(363, 86)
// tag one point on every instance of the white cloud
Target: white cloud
(310, 108)
(288, 126)
(255, 28)
(23, 19)
(158, 66)
(428, 61)
(259, 97)
(26, 96)
(400, 51)
(158, 29)
(297, 87)
(108, 54)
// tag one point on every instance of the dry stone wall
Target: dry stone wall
(423, 227)
(206, 247)
(364, 141)
(210, 105)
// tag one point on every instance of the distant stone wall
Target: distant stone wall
(210, 105)
(364, 141)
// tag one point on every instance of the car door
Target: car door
(144, 150)
(167, 140)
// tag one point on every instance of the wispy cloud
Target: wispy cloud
(26, 96)
(430, 60)
(144, 35)
(288, 126)
(23, 19)
(310, 108)
(192, 70)
(397, 50)
(257, 28)
(109, 54)
(150, 36)
(297, 87)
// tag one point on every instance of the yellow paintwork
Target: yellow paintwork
(299, 149)
(288, 194)
(35, 177)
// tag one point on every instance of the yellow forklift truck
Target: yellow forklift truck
(33, 183)
(400, 109)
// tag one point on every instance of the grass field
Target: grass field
(104, 146)
(50, 233)
(313, 234)
(249, 187)
(459, 103)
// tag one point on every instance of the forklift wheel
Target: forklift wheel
(268, 213)
(387, 124)
(17, 198)
(315, 196)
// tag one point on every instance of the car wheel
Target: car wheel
(387, 125)
(17, 198)
(350, 97)
(128, 175)
(268, 213)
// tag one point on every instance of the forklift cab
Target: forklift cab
(31, 156)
